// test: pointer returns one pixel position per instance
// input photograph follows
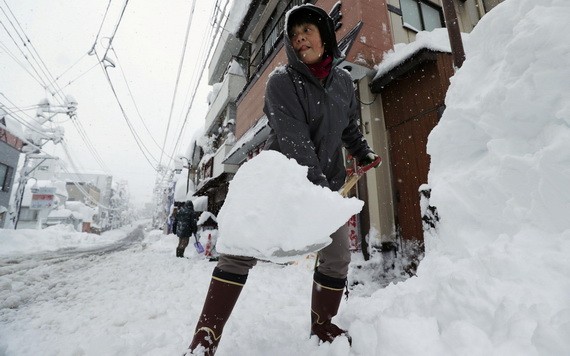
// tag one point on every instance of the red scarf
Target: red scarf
(322, 69)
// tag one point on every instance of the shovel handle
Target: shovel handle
(355, 175)
(350, 182)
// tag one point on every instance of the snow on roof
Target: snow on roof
(12, 126)
(200, 203)
(180, 192)
(216, 87)
(81, 210)
(205, 216)
(235, 68)
(199, 132)
(64, 214)
(436, 40)
(237, 15)
(248, 135)
(60, 188)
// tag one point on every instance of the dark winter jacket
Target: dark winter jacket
(186, 221)
(310, 121)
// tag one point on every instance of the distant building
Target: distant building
(92, 189)
(40, 198)
(11, 144)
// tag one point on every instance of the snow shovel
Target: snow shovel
(198, 246)
(352, 178)
(355, 174)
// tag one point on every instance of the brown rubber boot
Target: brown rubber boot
(222, 296)
(327, 293)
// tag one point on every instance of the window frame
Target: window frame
(422, 16)
(6, 178)
(269, 37)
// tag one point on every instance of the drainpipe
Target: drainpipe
(452, 24)
(480, 8)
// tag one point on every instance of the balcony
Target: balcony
(229, 90)
(218, 166)
(228, 47)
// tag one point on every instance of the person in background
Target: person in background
(186, 226)
(313, 114)
(172, 217)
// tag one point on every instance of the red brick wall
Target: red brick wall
(11, 139)
(250, 106)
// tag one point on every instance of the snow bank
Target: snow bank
(495, 276)
(500, 156)
(51, 239)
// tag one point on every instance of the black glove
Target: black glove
(369, 159)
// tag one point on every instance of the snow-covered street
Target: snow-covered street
(144, 301)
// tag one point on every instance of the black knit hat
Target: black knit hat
(309, 14)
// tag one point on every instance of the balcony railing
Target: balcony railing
(219, 166)
(229, 90)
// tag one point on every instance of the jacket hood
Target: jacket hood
(326, 29)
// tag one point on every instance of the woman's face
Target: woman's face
(307, 43)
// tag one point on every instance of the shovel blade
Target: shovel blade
(281, 255)
(199, 248)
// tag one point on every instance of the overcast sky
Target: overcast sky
(148, 49)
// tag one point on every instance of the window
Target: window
(421, 15)
(6, 173)
(27, 214)
(270, 35)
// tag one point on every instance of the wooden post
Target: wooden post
(452, 25)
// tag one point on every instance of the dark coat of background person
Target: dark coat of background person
(186, 221)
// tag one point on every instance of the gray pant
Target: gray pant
(333, 259)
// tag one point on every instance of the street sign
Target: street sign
(41, 201)
(42, 198)
(43, 190)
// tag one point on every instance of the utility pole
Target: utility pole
(452, 24)
(178, 165)
(45, 113)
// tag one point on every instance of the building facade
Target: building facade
(398, 108)
(11, 145)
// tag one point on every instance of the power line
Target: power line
(43, 67)
(39, 78)
(146, 153)
(100, 27)
(115, 31)
(20, 63)
(178, 76)
(102, 62)
(134, 101)
(79, 76)
(83, 134)
(196, 77)
(198, 71)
